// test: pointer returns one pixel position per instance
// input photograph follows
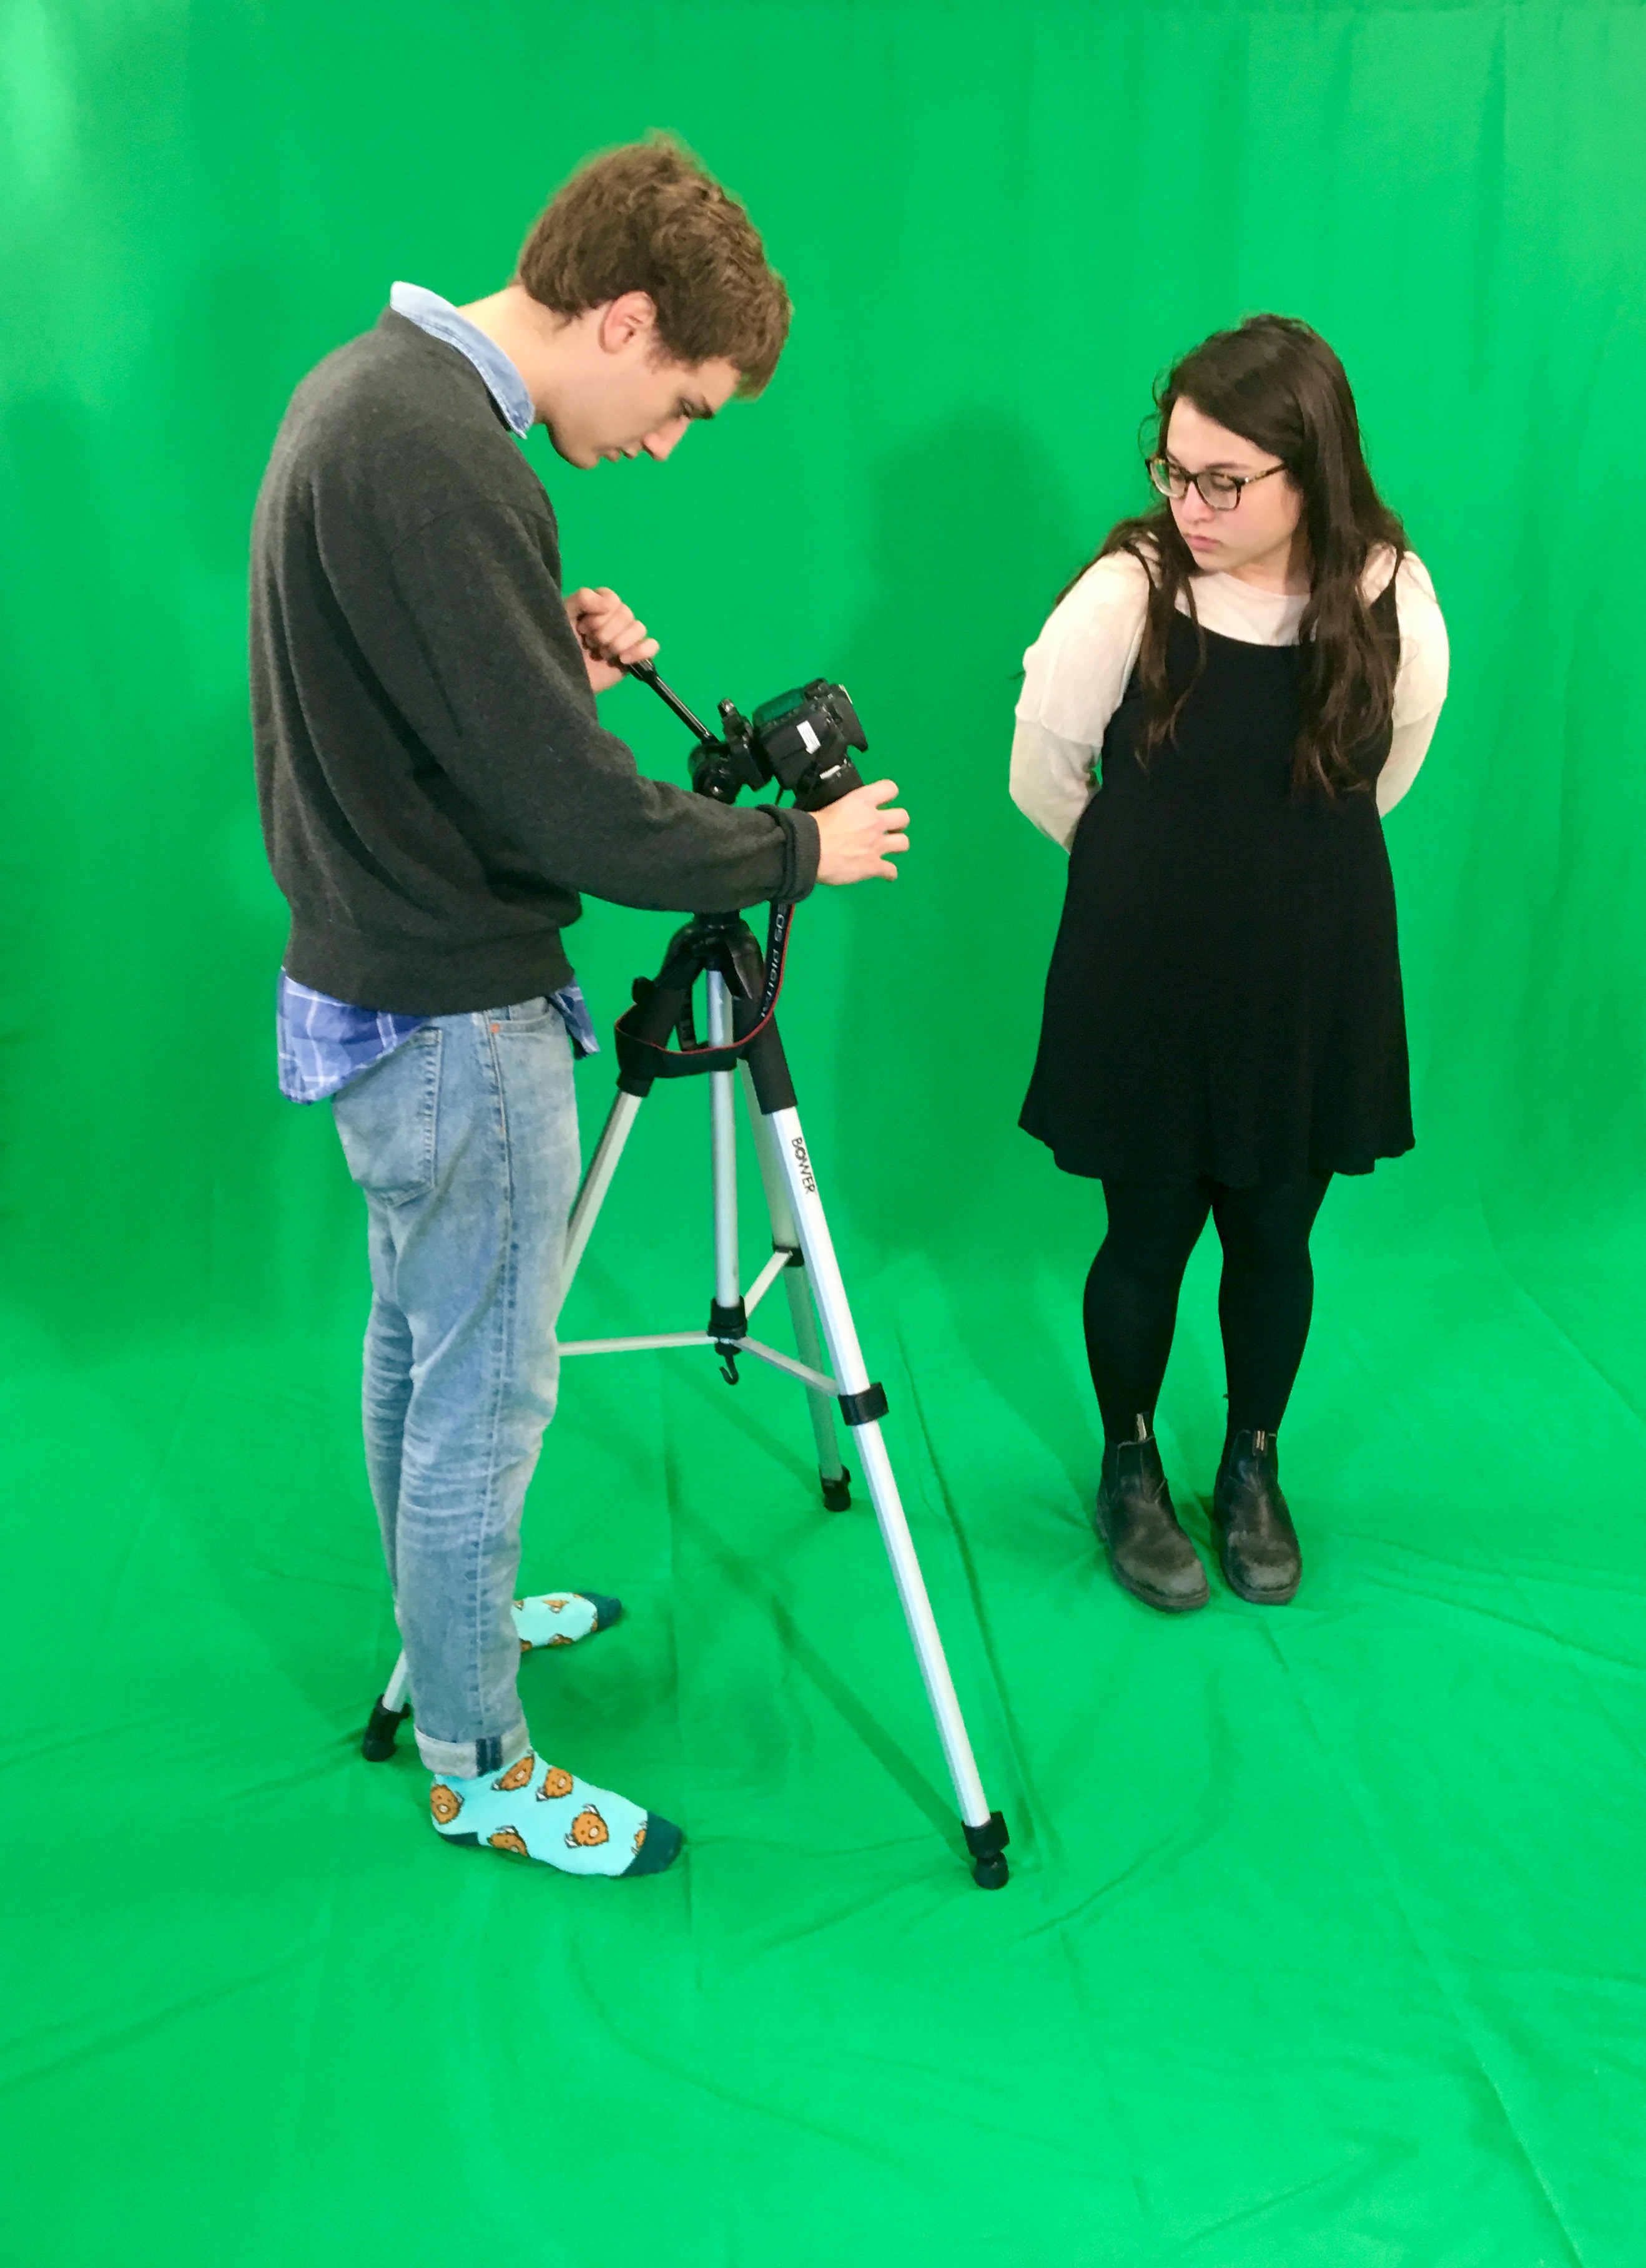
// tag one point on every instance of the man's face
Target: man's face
(626, 401)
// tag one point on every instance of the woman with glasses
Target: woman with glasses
(1212, 722)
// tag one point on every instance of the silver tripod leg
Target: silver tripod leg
(729, 1292)
(786, 1237)
(846, 1356)
(615, 1132)
(614, 1139)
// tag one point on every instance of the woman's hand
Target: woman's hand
(857, 835)
(608, 634)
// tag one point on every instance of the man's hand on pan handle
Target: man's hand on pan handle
(608, 633)
(857, 835)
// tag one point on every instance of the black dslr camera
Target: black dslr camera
(802, 739)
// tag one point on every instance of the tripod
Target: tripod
(742, 985)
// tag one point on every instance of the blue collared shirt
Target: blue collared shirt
(441, 321)
(323, 1043)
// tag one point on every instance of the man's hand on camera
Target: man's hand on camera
(608, 634)
(856, 835)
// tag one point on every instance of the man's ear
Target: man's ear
(631, 315)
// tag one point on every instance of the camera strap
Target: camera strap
(662, 1011)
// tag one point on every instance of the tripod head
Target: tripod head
(802, 739)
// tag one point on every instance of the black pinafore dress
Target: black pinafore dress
(1224, 997)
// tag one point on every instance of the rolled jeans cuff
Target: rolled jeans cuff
(468, 1759)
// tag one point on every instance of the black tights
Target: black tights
(1264, 1303)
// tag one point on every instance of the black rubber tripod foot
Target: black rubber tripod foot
(377, 1743)
(837, 1491)
(987, 1846)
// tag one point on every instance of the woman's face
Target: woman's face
(1254, 539)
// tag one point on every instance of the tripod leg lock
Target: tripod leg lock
(988, 1846)
(863, 1409)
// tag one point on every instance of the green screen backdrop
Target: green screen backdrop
(1324, 1947)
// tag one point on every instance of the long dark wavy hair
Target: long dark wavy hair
(1278, 384)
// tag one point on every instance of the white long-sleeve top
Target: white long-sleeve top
(1078, 668)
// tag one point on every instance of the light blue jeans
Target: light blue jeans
(464, 1141)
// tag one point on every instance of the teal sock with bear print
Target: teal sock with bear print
(562, 1617)
(535, 1810)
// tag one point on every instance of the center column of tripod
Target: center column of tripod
(727, 1320)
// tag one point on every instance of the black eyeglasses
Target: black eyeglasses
(1221, 490)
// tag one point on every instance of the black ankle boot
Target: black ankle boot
(1150, 1555)
(1261, 1560)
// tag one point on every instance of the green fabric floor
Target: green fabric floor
(1322, 1944)
(1325, 1943)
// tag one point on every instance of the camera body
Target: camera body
(802, 739)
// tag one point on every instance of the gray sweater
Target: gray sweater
(436, 788)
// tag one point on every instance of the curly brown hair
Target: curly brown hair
(647, 217)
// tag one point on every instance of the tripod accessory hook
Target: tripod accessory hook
(727, 1326)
